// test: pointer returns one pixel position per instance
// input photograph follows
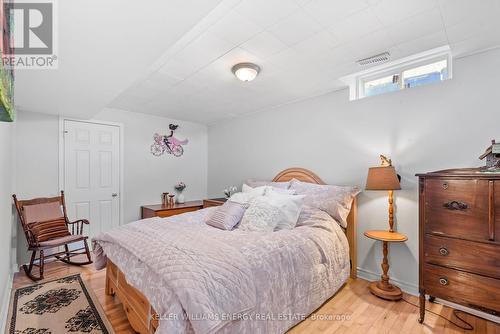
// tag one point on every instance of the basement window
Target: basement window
(417, 70)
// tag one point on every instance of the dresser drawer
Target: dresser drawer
(173, 212)
(464, 288)
(458, 208)
(474, 257)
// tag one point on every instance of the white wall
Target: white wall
(5, 216)
(422, 129)
(145, 176)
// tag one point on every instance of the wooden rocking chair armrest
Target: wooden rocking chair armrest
(84, 221)
(77, 226)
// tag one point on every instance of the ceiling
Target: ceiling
(176, 59)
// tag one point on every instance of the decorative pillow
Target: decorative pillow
(274, 190)
(334, 200)
(244, 197)
(227, 216)
(255, 183)
(272, 212)
(50, 229)
(259, 191)
(42, 212)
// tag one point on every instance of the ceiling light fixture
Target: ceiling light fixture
(245, 71)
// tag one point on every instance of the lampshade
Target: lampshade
(382, 178)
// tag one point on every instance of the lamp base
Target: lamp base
(385, 290)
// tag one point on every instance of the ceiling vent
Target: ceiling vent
(377, 59)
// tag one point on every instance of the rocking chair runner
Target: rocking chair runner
(46, 226)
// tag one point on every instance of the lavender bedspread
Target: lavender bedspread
(204, 280)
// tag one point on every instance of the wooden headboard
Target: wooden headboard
(305, 175)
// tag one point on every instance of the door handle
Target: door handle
(114, 195)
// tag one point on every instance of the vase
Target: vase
(180, 198)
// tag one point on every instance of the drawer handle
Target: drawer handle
(443, 251)
(443, 281)
(454, 205)
(445, 185)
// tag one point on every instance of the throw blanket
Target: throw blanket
(210, 277)
(279, 277)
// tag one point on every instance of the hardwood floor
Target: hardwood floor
(366, 313)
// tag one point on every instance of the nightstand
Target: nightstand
(158, 210)
(383, 288)
(213, 202)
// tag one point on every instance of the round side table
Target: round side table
(383, 288)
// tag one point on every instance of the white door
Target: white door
(92, 174)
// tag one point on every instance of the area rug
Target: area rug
(63, 305)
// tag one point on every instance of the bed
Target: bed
(300, 271)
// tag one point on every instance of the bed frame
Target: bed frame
(140, 313)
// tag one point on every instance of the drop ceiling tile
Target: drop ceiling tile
(335, 57)
(456, 11)
(422, 24)
(205, 49)
(327, 12)
(369, 45)
(142, 91)
(317, 44)
(295, 28)
(264, 45)
(266, 12)
(178, 69)
(235, 28)
(464, 30)
(159, 81)
(392, 11)
(421, 44)
(357, 25)
(302, 2)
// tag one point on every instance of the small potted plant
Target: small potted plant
(179, 187)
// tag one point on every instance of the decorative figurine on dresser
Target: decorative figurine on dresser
(459, 238)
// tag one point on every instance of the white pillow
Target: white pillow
(274, 190)
(272, 212)
(247, 194)
(334, 200)
(264, 189)
(255, 191)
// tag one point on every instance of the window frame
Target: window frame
(357, 81)
(399, 70)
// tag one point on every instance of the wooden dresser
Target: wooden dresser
(158, 210)
(459, 238)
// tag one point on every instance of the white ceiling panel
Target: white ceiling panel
(235, 28)
(264, 45)
(176, 59)
(295, 28)
(328, 12)
(392, 11)
(266, 12)
(422, 24)
(357, 25)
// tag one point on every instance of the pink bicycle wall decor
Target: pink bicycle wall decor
(168, 143)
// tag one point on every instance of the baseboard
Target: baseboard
(368, 275)
(5, 303)
(477, 313)
(15, 268)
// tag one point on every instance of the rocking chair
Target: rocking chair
(46, 226)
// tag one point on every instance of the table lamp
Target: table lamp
(385, 178)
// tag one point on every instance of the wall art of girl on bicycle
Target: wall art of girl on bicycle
(168, 143)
